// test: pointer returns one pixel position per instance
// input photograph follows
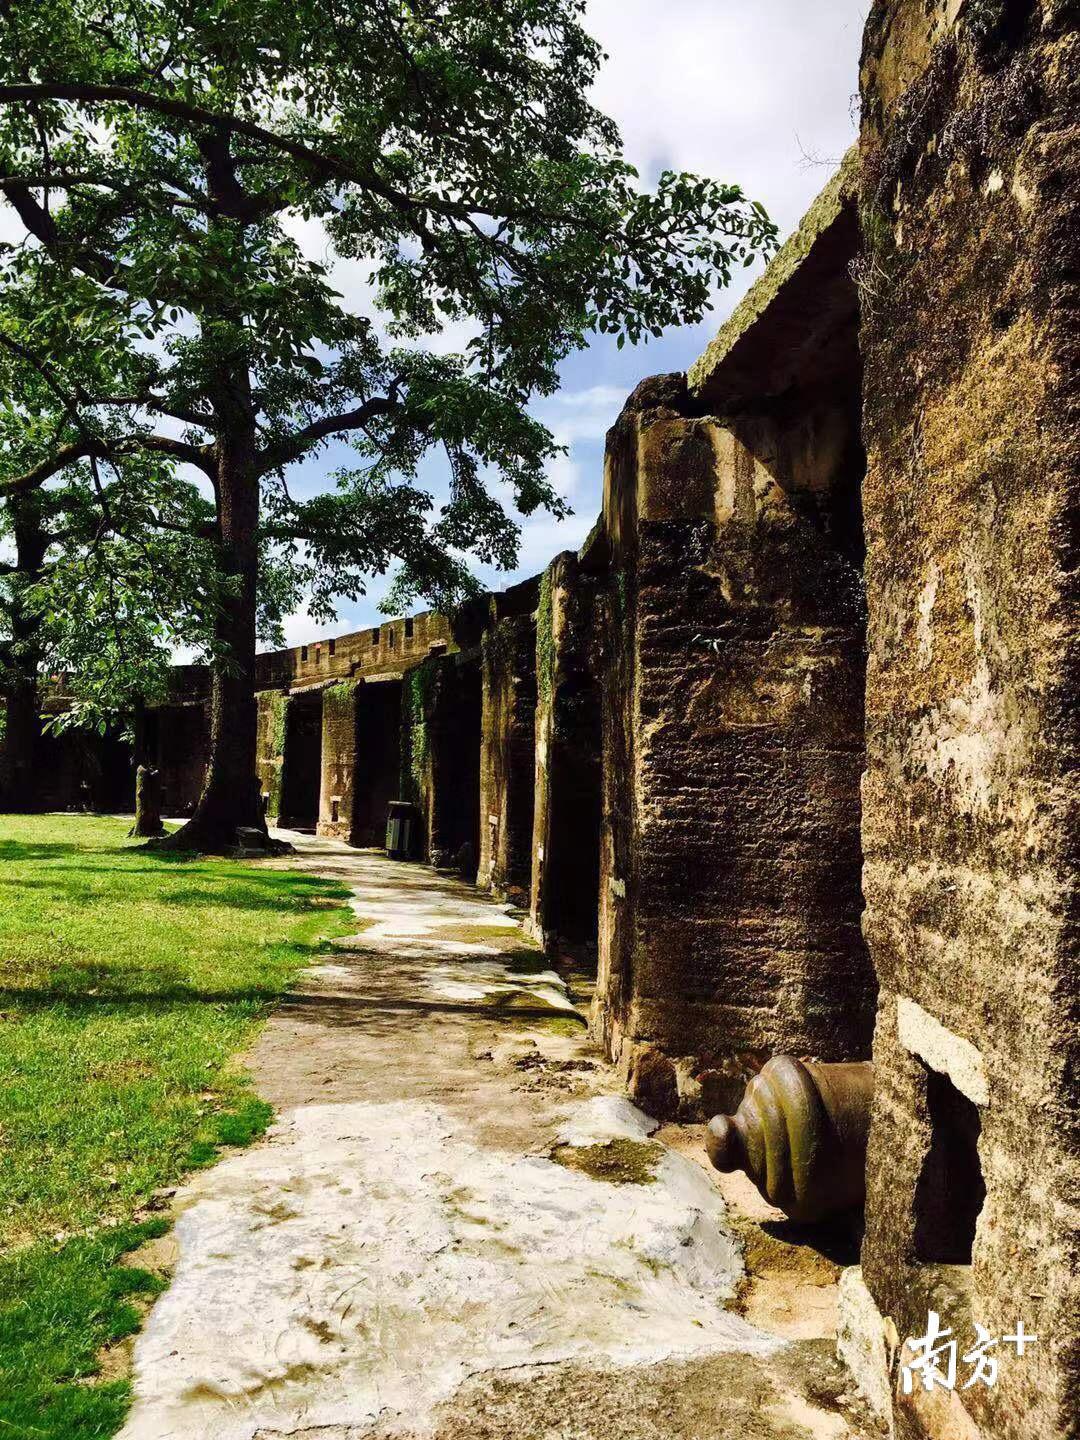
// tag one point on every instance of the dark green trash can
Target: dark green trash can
(401, 830)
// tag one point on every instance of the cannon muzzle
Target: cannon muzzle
(800, 1134)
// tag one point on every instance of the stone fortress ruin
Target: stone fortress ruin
(787, 751)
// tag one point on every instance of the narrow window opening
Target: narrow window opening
(333, 646)
(409, 629)
(303, 653)
(375, 635)
(950, 1190)
(391, 638)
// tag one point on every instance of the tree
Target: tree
(165, 151)
(105, 573)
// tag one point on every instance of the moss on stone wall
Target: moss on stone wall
(277, 705)
(545, 640)
(339, 696)
(416, 695)
(498, 647)
(272, 707)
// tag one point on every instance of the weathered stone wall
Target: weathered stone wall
(508, 757)
(389, 647)
(339, 717)
(971, 212)
(730, 901)
(566, 825)
(181, 752)
(81, 770)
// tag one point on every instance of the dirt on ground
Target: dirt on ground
(458, 1226)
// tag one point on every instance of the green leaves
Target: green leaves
(165, 158)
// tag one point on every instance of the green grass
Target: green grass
(128, 982)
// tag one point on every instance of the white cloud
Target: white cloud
(731, 90)
(581, 415)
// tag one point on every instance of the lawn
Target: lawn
(128, 983)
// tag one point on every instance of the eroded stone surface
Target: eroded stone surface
(406, 1253)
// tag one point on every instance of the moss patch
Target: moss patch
(563, 1022)
(504, 937)
(616, 1162)
(416, 697)
(545, 640)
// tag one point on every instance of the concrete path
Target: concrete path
(457, 1227)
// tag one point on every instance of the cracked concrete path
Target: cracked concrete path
(456, 1227)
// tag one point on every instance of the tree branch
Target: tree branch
(37, 475)
(294, 445)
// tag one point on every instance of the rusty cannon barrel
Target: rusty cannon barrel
(800, 1134)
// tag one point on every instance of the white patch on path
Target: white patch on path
(377, 1248)
(351, 1271)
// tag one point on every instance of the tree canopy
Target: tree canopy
(167, 153)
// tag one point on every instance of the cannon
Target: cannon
(800, 1135)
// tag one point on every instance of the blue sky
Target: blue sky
(761, 94)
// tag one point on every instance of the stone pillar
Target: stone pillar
(508, 757)
(729, 896)
(566, 825)
(971, 211)
(339, 758)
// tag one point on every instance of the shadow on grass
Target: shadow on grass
(125, 988)
(15, 850)
(237, 894)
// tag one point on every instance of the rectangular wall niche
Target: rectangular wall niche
(950, 1191)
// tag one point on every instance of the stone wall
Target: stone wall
(180, 748)
(301, 768)
(566, 825)
(730, 864)
(730, 899)
(270, 748)
(508, 757)
(389, 647)
(970, 201)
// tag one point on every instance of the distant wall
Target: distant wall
(180, 748)
(390, 646)
(377, 771)
(440, 757)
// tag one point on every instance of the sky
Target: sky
(761, 94)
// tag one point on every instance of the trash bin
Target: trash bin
(401, 829)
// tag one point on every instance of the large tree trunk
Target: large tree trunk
(231, 800)
(22, 742)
